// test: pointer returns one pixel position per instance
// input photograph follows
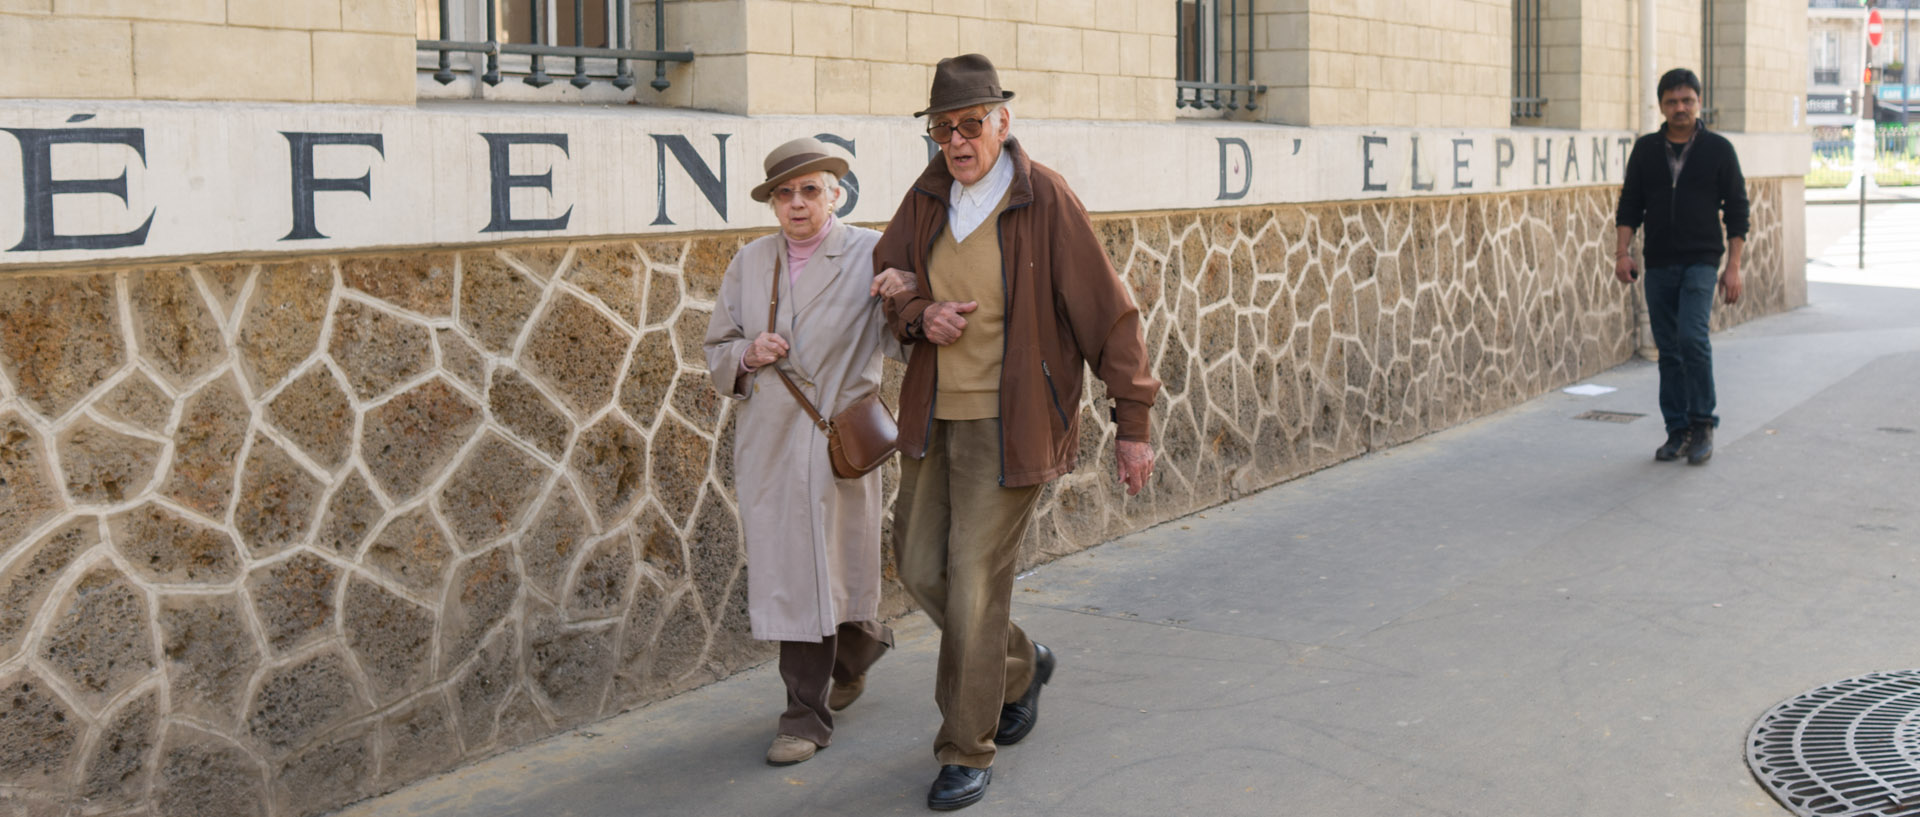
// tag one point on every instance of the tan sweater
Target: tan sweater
(969, 381)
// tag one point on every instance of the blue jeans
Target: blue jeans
(1679, 305)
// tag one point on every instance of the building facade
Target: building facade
(1839, 54)
(353, 420)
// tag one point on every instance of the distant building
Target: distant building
(1838, 56)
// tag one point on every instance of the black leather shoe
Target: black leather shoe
(1676, 443)
(1699, 444)
(958, 787)
(1016, 719)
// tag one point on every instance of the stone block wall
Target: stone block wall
(1760, 71)
(1437, 63)
(276, 536)
(1591, 71)
(249, 50)
(1067, 59)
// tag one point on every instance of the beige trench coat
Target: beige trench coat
(813, 540)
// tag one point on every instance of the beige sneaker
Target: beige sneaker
(788, 750)
(843, 695)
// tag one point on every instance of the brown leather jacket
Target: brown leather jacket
(1065, 306)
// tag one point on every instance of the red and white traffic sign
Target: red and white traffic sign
(1874, 28)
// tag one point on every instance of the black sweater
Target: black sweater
(1680, 219)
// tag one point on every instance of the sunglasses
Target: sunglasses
(969, 128)
(809, 192)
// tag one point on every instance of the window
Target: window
(1528, 103)
(1823, 55)
(1214, 48)
(587, 43)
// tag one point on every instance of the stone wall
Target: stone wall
(1760, 71)
(1067, 59)
(276, 536)
(244, 50)
(1439, 63)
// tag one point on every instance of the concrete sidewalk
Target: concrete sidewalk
(1524, 615)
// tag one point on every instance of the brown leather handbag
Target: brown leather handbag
(862, 436)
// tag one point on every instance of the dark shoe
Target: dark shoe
(1700, 445)
(958, 787)
(1016, 719)
(1676, 443)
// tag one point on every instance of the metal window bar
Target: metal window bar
(1200, 48)
(1527, 99)
(545, 45)
(1706, 61)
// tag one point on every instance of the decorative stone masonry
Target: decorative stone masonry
(278, 536)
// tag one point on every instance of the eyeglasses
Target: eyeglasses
(809, 192)
(969, 128)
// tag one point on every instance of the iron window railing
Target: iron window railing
(1528, 101)
(1202, 45)
(1709, 113)
(595, 36)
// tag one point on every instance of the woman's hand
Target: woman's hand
(892, 282)
(765, 349)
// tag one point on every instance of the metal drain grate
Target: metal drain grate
(1609, 416)
(1851, 747)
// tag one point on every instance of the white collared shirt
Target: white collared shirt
(971, 204)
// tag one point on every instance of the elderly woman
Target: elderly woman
(813, 540)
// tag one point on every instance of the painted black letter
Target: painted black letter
(305, 185)
(36, 171)
(1417, 184)
(1502, 159)
(1460, 164)
(504, 182)
(1543, 161)
(849, 182)
(714, 188)
(1366, 171)
(1246, 155)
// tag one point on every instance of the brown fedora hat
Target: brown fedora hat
(803, 155)
(962, 81)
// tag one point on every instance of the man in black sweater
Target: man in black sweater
(1681, 181)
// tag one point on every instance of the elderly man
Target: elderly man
(992, 271)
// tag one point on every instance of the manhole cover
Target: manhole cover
(1851, 747)
(1609, 416)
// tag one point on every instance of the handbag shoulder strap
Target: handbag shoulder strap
(773, 310)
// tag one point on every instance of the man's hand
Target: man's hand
(941, 323)
(1730, 281)
(892, 282)
(1623, 269)
(765, 349)
(1134, 463)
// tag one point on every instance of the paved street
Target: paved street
(1523, 615)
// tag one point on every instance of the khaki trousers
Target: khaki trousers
(956, 537)
(806, 668)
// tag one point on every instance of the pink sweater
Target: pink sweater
(798, 252)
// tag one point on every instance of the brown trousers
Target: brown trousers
(957, 535)
(806, 667)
